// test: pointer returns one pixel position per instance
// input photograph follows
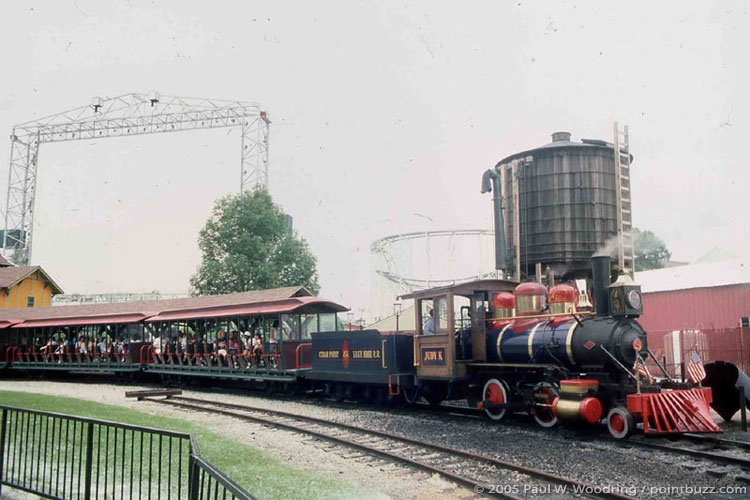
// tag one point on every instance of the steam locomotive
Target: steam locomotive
(523, 348)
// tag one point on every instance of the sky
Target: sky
(384, 116)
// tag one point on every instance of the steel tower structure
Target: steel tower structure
(129, 114)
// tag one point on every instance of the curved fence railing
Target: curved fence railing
(62, 456)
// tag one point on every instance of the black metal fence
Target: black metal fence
(60, 456)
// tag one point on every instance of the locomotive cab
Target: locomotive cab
(451, 325)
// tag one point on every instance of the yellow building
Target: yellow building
(25, 286)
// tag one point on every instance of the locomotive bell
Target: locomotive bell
(625, 297)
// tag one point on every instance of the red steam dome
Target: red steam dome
(562, 293)
(503, 304)
(531, 298)
(562, 299)
(503, 300)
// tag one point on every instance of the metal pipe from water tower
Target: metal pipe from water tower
(491, 182)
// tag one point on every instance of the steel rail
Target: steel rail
(707, 455)
(699, 438)
(464, 481)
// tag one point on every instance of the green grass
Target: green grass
(259, 472)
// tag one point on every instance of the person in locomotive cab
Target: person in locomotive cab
(429, 325)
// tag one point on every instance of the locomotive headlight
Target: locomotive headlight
(634, 299)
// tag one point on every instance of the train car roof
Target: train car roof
(272, 301)
(465, 288)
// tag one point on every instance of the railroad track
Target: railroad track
(713, 450)
(481, 474)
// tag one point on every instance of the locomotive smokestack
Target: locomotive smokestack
(601, 268)
(491, 182)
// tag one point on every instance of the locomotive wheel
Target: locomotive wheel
(434, 394)
(495, 391)
(339, 392)
(356, 393)
(379, 396)
(433, 399)
(544, 394)
(620, 422)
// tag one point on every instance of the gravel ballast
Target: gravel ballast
(582, 454)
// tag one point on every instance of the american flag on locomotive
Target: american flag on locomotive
(694, 368)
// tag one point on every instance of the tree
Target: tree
(650, 251)
(246, 245)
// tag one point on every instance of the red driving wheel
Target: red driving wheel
(495, 392)
(544, 396)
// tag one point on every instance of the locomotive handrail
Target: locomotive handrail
(298, 350)
(382, 354)
(618, 363)
(550, 315)
(664, 370)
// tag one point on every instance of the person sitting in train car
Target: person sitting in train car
(70, 347)
(49, 347)
(200, 350)
(257, 349)
(233, 348)
(246, 345)
(156, 348)
(209, 350)
(117, 350)
(124, 347)
(60, 352)
(220, 346)
(82, 346)
(62, 349)
(103, 348)
(166, 350)
(91, 346)
(121, 347)
(190, 349)
(273, 338)
(179, 347)
(429, 325)
(173, 349)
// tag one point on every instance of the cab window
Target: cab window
(424, 306)
(441, 314)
